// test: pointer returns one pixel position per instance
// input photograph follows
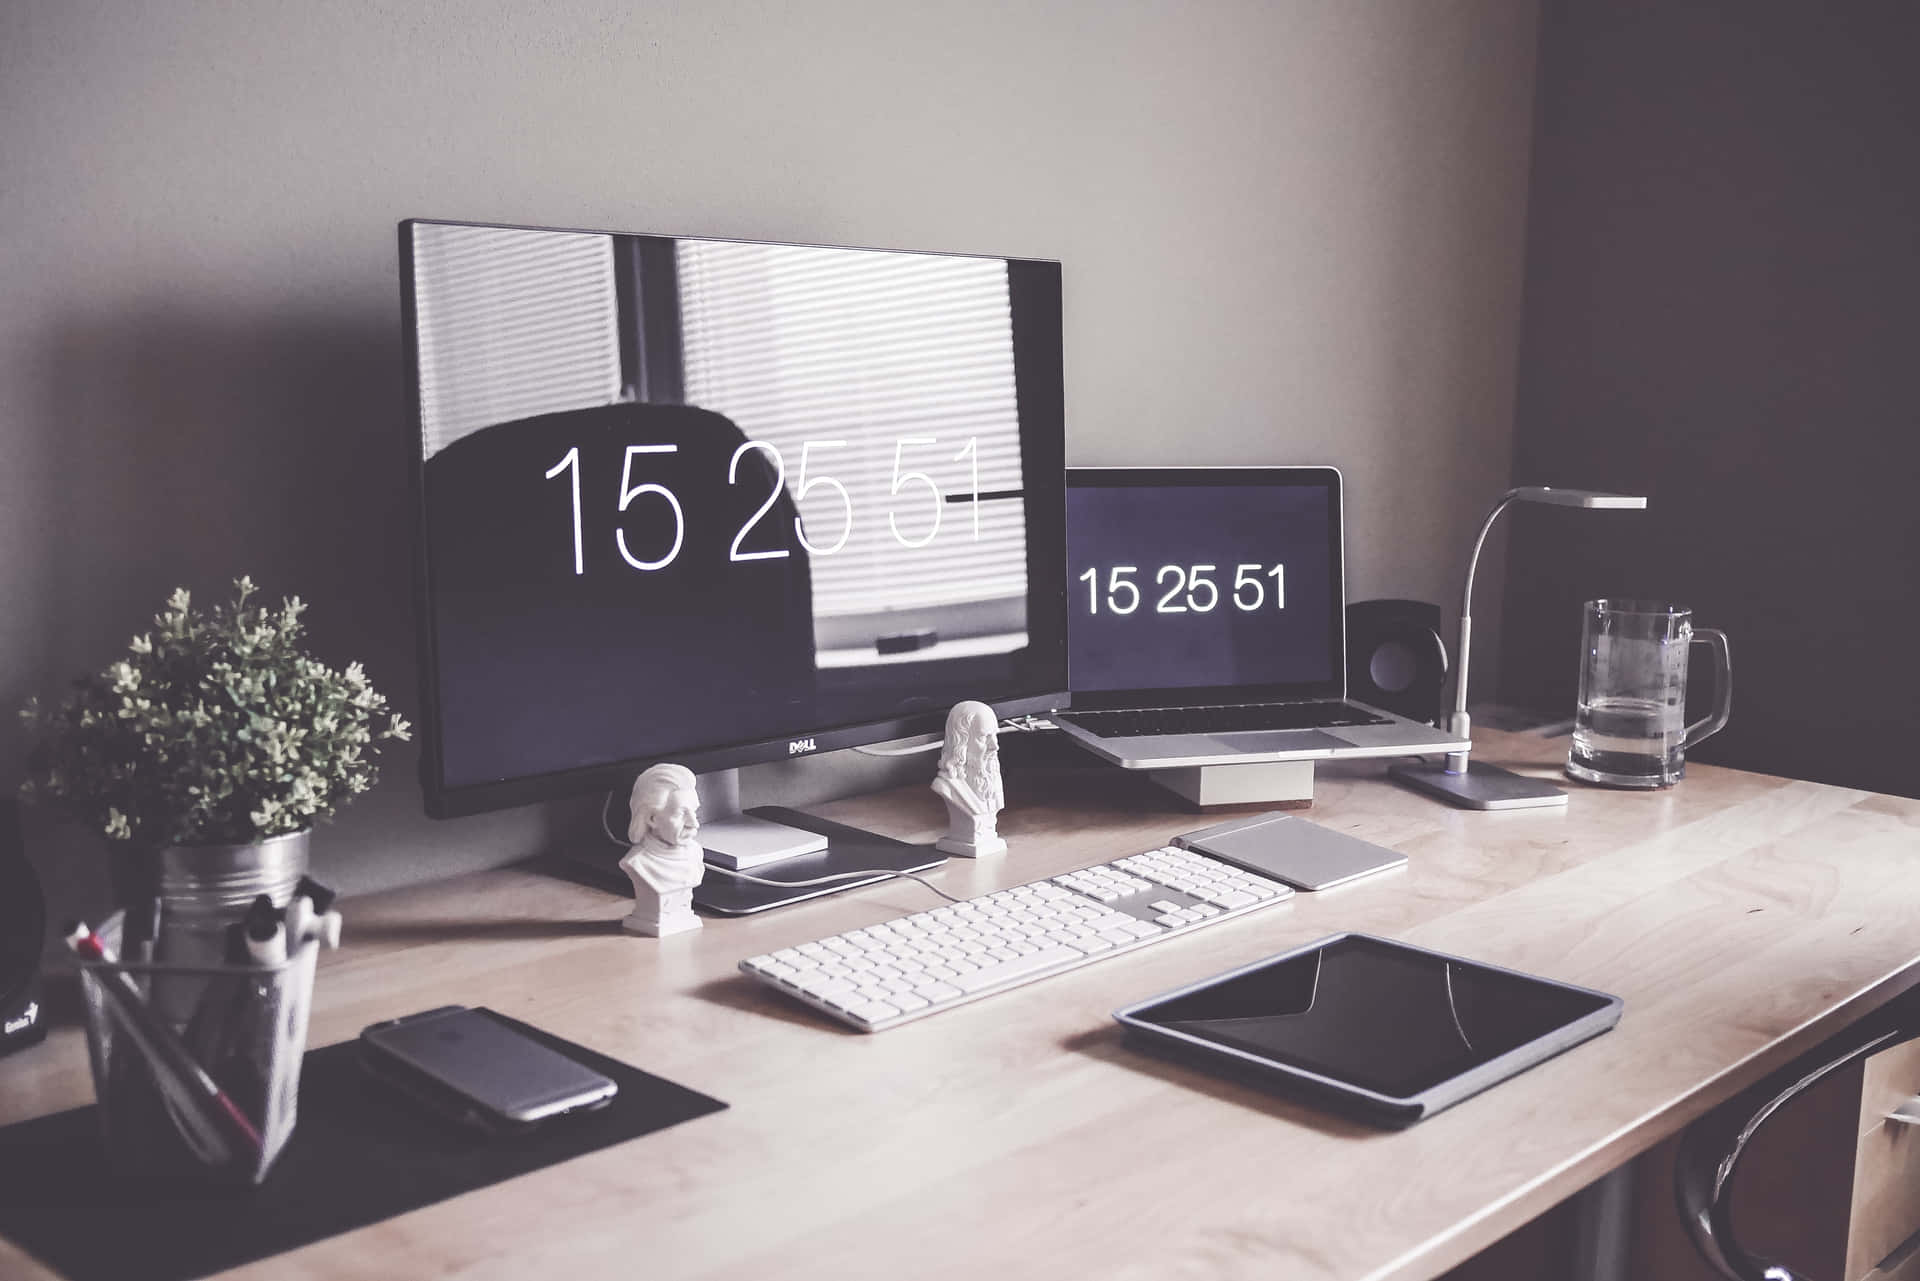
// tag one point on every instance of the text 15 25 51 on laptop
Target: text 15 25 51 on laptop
(1206, 621)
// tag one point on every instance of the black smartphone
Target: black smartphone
(476, 1068)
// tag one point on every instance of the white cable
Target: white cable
(605, 825)
(915, 750)
(838, 876)
(1015, 725)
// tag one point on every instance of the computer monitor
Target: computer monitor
(720, 502)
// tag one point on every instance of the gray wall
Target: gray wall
(1292, 233)
(1723, 312)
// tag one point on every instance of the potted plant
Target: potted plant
(205, 757)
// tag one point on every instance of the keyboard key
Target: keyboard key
(1005, 971)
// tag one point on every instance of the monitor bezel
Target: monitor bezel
(454, 800)
(1323, 477)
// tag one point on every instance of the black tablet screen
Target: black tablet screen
(1387, 1018)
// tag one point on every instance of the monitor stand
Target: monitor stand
(835, 848)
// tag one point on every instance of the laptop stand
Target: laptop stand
(1286, 784)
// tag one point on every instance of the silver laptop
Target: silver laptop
(1207, 621)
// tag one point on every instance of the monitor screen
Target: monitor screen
(718, 502)
(1203, 584)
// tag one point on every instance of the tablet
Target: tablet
(1390, 1031)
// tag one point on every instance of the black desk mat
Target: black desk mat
(359, 1154)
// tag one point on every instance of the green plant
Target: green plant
(217, 728)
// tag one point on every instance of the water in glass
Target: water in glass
(1630, 725)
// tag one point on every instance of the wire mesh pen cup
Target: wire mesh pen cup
(213, 1095)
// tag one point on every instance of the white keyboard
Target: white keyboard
(884, 975)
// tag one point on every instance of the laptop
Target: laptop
(1207, 621)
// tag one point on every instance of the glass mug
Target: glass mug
(1629, 729)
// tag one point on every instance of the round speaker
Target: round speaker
(1395, 657)
(23, 928)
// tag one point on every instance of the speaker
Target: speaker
(23, 929)
(1395, 657)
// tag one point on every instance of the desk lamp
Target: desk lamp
(1476, 785)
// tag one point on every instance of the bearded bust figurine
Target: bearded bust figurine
(968, 780)
(665, 862)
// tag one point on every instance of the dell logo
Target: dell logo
(799, 745)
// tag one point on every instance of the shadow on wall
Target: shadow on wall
(1720, 309)
(188, 445)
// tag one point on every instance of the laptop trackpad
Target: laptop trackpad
(1279, 740)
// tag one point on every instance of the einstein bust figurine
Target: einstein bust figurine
(968, 780)
(665, 862)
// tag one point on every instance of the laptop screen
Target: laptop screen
(1194, 585)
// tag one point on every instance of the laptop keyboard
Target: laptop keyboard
(1228, 719)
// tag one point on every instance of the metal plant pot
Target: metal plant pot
(180, 899)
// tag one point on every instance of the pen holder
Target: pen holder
(210, 1096)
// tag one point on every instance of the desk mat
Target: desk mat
(359, 1154)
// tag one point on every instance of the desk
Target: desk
(1742, 917)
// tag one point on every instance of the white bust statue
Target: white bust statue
(665, 862)
(968, 780)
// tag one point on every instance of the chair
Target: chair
(1711, 1148)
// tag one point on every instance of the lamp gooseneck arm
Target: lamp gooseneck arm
(1463, 724)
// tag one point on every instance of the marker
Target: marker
(266, 937)
(299, 918)
(309, 913)
(327, 929)
(321, 897)
(198, 1102)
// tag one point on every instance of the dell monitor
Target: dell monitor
(721, 502)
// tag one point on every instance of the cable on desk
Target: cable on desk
(915, 750)
(606, 826)
(1012, 725)
(839, 876)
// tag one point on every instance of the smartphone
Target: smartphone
(473, 1066)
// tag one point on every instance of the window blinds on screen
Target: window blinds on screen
(511, 324)
(906, 360)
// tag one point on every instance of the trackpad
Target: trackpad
(1279, 740)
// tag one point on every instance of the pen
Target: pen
(310, 915)
(266, 937)
(217, 1122)
(327, 929)
(319, 895)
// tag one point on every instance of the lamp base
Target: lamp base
(1482, 787)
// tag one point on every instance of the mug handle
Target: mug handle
(1716, 720)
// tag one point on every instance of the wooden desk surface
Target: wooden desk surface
(1742, 917)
